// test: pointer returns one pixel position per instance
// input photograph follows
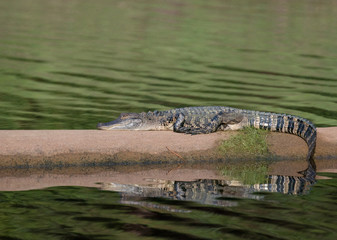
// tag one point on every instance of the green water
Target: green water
(89, 213)
(71, 64)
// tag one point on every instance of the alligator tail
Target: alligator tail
(286, 124)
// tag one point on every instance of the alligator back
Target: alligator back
(274, 122)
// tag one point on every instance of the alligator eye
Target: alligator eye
(124, 115)
(128, 115)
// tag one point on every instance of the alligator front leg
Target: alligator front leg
(222, 118)
(178, 126)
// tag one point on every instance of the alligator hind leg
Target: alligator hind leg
(218, 120)
(222, 118)
(231, 118)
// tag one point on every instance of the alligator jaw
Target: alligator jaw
(121, 124)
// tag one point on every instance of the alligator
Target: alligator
(208, 119)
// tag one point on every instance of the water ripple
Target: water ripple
(236, 69)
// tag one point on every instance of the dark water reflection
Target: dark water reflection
(90, 213)
(211, 192)
(217, 192)
(280, 208)
(73, 64)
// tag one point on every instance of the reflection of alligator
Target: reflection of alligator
(197, 120)
(208, 191)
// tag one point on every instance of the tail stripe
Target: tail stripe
(269, 118)
(308, 132)
(280, 123)
(286, 124)
(251, 121)
(263, 122)
(312, 139)
(300, 127)
(274, 119)
(290, 124)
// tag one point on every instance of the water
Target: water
(69, 65)
(196, 209)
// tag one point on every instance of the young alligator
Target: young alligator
(199, 120)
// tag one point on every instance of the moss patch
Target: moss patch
(248, 143)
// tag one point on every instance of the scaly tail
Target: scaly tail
(286, 124)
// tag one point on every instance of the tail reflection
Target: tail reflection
(215, 192)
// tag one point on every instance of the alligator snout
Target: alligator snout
(101, 126)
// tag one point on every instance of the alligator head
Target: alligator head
(132, 121)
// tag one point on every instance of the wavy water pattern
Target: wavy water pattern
(69, 65)
(89, 213)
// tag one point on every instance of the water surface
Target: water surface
(71, 64)
(203, 209)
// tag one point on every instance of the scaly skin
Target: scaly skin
(202, 120)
